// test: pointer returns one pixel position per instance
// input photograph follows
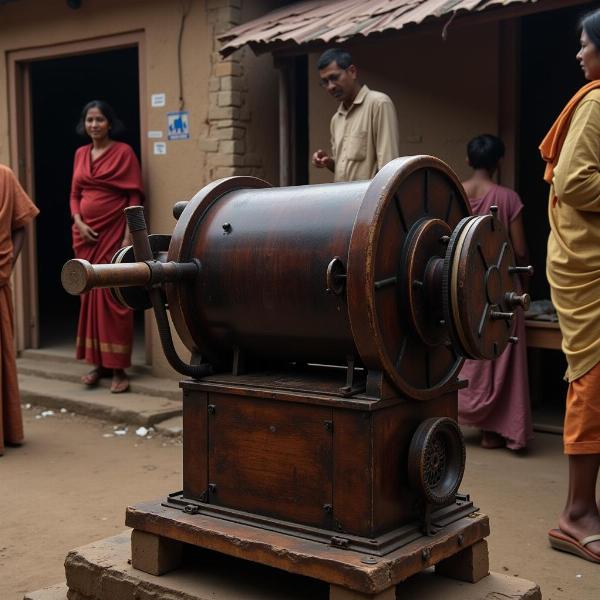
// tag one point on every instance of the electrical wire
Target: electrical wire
(185, 11)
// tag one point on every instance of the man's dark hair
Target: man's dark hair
(116, 125)
(341, 57)
(590, 23)
(484, 151)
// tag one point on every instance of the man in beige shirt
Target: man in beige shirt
(364, 130)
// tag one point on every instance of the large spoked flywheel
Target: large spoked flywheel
(438, 283)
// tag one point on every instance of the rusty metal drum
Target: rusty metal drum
(392, 274)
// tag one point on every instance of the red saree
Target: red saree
(101, 189)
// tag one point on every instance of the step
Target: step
(131, 408)
(66, 354)
(71, 370)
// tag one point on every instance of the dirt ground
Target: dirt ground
(70, 483)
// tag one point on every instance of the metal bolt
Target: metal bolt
(212, 409)
(328, 508)
(426, 554)
(212, 488)
(460, 539)
(227, 227)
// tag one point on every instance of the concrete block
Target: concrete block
(228, 68)
(471, 564)
(339, 593)
(223, 112)
(154, 554)
(229, 98)
(221, 172)
(237, 84)
(214, 83)
(53, 592)
(208, 145)
(228, 133)
(232, 147)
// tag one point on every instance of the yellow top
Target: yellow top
(573, 262)
(364, 137)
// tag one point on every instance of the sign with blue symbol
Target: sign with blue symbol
(178, 126)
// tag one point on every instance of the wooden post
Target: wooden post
(284, 74)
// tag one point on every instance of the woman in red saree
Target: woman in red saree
(106, 180)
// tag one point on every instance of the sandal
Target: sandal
(120, 382)
(92, 378)
(559, 540)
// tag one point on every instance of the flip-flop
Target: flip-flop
(559, 540)
(119, 386)
(92, 378)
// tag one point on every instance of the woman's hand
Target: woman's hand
(85, 231)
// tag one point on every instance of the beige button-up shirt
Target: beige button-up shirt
(364, 137)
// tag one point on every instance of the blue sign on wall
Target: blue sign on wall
(178, 126)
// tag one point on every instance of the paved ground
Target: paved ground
(70, 483)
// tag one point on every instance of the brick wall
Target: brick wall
(228, 112)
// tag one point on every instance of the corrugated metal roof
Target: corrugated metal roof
(336, 21)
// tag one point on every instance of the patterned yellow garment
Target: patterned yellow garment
(573, 262)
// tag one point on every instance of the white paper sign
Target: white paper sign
(159, 100)
(155, 134)
(160, 148)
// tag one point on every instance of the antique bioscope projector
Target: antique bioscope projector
(327, 325)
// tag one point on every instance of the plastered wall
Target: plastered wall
(444, 92)
(180, 173)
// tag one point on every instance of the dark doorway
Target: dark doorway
(60, 88)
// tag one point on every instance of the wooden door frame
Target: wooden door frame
(25, 282)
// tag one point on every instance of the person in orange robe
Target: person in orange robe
(571, 150)
(16, 210)
(106, 180)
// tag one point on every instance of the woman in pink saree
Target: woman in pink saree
(497, 398)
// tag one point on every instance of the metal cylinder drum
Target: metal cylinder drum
(314, 273)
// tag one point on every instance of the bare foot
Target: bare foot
(491, 440)
(580, 527)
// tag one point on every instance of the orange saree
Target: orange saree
(16, 210)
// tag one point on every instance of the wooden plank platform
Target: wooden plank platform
(353, 570)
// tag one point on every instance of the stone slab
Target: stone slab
(101, 571)
(172, 427)
(131, 408)
(53, 592)
(71, 370)
(429, 586)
